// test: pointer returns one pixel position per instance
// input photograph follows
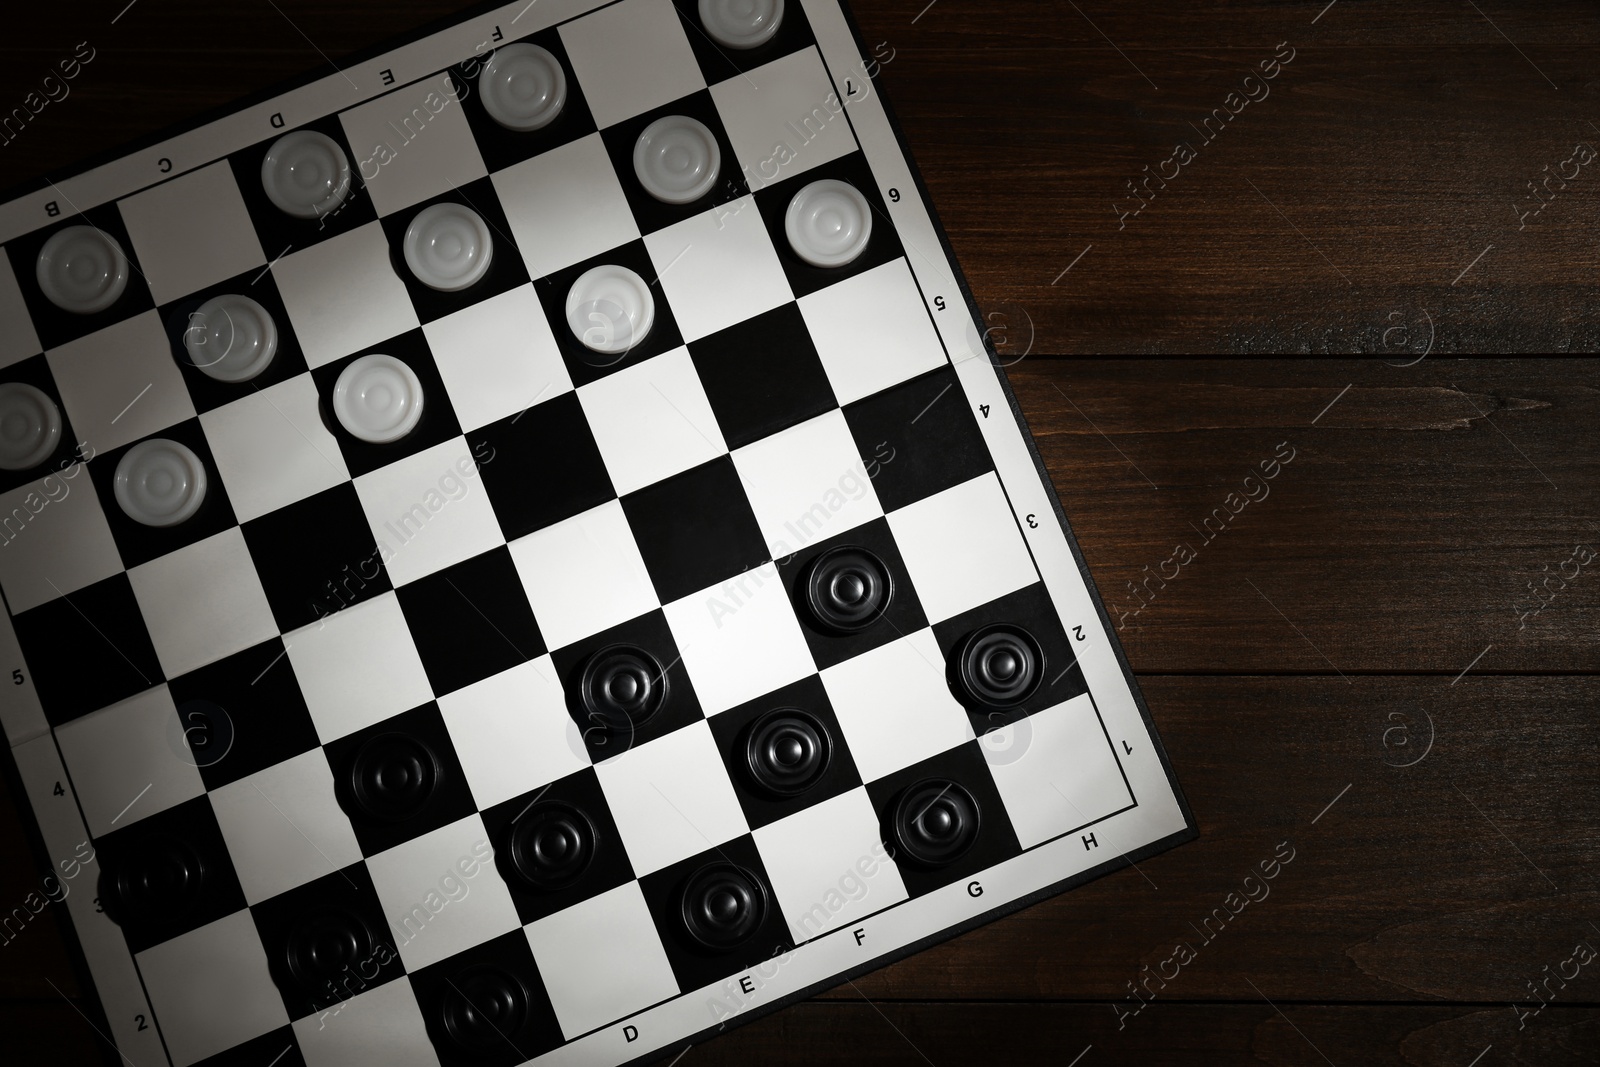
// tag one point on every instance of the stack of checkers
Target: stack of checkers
(538, 558)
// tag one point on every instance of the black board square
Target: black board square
(695, 963)
(316, 557)
(137, 886)
(327, 941)
(762, 375)
(177, 319)
(695, 529)
(735, 729)
(902, 615)
(606, 867)
(99, 624)
(584, 365)
(139, 543)
(470, 621)
(719, 62)
(994, 842)
(501, 147)
(35, 371)
(883, 244)
(541, 465)
(363, 779)
(653, 214)
(506, 270)
(445, 989)
(437, 424)
(281, 233)
(243, 714)
(1060, 676)
(918, 438)
(54, 326)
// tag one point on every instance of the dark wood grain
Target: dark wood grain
(1329, 622)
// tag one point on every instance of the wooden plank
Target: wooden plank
(1403, 535)
(1167, 1035)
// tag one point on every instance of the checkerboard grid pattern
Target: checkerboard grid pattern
(846, 810)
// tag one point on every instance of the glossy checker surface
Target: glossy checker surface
(533, 561)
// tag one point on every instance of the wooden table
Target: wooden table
(1358, 665)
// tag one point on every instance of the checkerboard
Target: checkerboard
(358, 749)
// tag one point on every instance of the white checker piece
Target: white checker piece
(284, 827)
(125, 761)
(512, 732)
(357, 667)
(343, 295)
(718, 268)
(565, 205)
(121, 383)
(779, 119)
(962, 547)
(602, 959)
(57, 539)
(191, 232)
(583, 574)
(497, 357)
(631, 57)
(413, 144)
(872, 331)
(203, 602)
(434, 907)
(211, 988)
(652, 420)
(671, 798)
(828, 865)
(18, 340)
(380, 1027)
(740, 639)
(429, 511)
(1056, 772)
(273, 448)
(894, 705)
(807, 483)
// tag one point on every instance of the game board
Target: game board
(517, 550)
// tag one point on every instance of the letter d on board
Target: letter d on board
(631, 1033)
(276, 120)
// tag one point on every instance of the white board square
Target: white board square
(191, 232)
(718, 268)
(512, 732)
(602, 960)
(1055, 771)
(652, 420)
(121, 383)
(474, 909)
(497, 357)
(783, 118)
(828, 865)
(671, 798)
(807, 483)
(272, 447)
(54, 539)
(430, 509)
(630, 57)
(962, 547)
(343, 294)
(583, 575)
(357, 667)
(872, 331)
(740, 639)
(284, 827)
(565, 205)
(202, 602)
(211, 988)
(125, 761)
(381, 1027)
(18, 340)
(413, 144)
(894, 705)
